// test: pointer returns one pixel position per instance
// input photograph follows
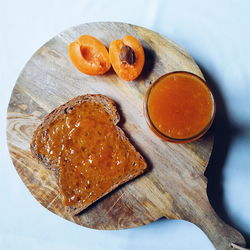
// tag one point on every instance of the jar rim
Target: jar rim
(160, 133)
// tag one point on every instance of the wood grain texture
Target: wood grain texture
(175, 187)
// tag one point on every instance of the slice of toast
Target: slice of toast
(90, 155)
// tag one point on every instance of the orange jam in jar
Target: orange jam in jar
(179, 107)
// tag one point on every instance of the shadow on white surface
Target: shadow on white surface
(226, 132)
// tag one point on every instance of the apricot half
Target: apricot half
(89, 55)
(127, 57)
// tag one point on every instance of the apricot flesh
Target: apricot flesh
(120, 55)
(89, 55)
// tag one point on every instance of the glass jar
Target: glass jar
(179, 107)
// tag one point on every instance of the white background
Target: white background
(216, 33)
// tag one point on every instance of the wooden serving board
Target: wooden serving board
(175, 186)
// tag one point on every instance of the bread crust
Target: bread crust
(110, 108)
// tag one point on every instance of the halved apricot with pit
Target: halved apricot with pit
(89, 55)
(127, 57)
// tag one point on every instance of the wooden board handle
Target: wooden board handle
(234, 246)
(223, 236)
